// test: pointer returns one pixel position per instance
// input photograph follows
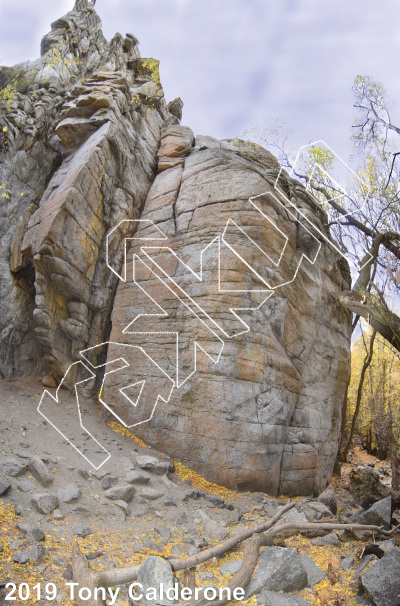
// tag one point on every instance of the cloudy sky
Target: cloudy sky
(239, 64)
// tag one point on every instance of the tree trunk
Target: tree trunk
(367, 362)
(376, 312)
(393, 452)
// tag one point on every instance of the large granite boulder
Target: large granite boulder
(382, 580)
(231, 299)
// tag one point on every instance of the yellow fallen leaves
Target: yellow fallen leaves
(125, 432)
(27, 573)
(196, 480)
(328, 558)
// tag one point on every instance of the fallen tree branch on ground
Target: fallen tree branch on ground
(85, 577)
(111, 578)
(251, 552)
(262, 535)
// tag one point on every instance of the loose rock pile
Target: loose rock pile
(138, 507)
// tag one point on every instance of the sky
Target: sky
(241, 65)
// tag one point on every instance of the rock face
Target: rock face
(80, 129)
(231, 352)
(258, 404)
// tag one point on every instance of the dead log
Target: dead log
(261, 535)
(85, 577)
(242, 577)
(251, 553)
(111, 578)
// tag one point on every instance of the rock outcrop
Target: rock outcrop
(257, 407)
(81, 128)
(229, 350)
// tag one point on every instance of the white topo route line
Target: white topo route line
(143, 258)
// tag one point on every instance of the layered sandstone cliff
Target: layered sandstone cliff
(193, 268)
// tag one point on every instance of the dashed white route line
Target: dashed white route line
(126, 364)
(150, 263)
(200, 309)
(146, 222)
(269, 290)
(56, 399)
(304, 255)
(163, 313)
(316, 165)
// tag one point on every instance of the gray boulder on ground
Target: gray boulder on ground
(37, 553)
(44, 503)
(39, 471)
(314, 573)
(382, 581)
(35, 533)
(379, 514)
(231, 567)
(163, 531)
(179, 550)
(280, 569)
(108, 482)
(388, 544)
(25, 486)
(4, 488)
(151, 494)
(328, 498)
(366, 560)
(122, 505)
(152, 573)
(82, 531)
(136, 477)
(69, 493)
(212, 529)
(20, 557)
(318, 511)
(152, 464)
(346, 563)
(179, 518)
(328, 539)
(294, 515)
(123, 492)
(13, 468)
